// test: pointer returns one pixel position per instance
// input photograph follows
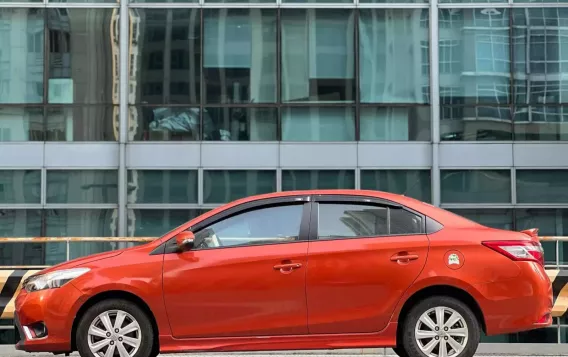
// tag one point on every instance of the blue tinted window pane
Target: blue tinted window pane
(318, 124)
(476, 186)
(474, 56)
(82, 186)
(21, 124)
(81, 43)
(166, 124)
(82, 123)
(550, 222)
(317, 179)
(157, 222)
(495, 218)
(542, 186)
(393, 53)
(541, 55)
(166, 62)
(318, 60)
(412, 183)
(22, 55)
(20, 223)
(239, 62)
(547, 123)
(220, 186)
(20, 186)
(162, 186)
(459, 123)
(395, 124)
(240, 124)
(80, 222)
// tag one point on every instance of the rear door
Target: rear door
(363, 254)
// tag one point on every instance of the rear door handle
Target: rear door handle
(403, 257)
(287, 268)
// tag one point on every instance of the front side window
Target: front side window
(336, 221)
(270, 225)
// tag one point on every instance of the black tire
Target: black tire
(408, 346)
(146, 348)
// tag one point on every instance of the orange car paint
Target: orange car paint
(345, 294)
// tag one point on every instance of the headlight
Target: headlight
(53, 279)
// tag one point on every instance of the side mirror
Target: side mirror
(185, 240)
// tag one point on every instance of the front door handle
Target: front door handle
(404, 257)
(287, 268)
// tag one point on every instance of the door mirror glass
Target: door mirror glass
(185, 240)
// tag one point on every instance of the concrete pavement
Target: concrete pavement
(493, 350)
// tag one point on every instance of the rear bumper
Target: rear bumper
(519, 304)
(55, 309)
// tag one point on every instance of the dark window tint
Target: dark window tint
(404, 222)
(355, 220)
(345, 220)
(269, 225)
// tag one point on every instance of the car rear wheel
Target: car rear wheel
(115, 328)
(440, 327)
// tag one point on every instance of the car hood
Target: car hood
(83, 260)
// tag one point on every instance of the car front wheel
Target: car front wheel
(114, 328)
(440, 327)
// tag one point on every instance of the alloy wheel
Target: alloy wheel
(441, 332)
(114, 333)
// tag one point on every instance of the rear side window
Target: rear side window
(346, 220)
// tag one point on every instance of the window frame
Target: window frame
(358, 200)
(170, 245)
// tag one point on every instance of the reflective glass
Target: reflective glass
(474, 56)
(165, 124)
(459, 123)
(220, 186)
(392, 1)
(82, 64)
(165, 60)
(547, 123)
(541, 63)
(84, 1)
(82, 186)
(84, 123)
(19, 223)
(21, 55)
(21, 124)
(476, 186)
(395, 123)
(164, 1)
(239, 1)
(317, 179)
(318, 60)
(240, 124)
(239, 55)
(157, 222)
(550, 222)
(394, 56)
(412, 183)
(542, 186)
(318, 124)
(79, 223)
(336, 221)
(20, 186)
(495, 218)
(317, 1)
(162, 186)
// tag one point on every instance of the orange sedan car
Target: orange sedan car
(322, 269)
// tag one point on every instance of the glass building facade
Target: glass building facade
(127, 119)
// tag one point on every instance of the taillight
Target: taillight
(518, 250)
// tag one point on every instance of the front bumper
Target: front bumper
(55, 309)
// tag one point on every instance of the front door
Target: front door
(363, 256)
(247, 278)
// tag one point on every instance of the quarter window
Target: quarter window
(270, 225)
(358, 220)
